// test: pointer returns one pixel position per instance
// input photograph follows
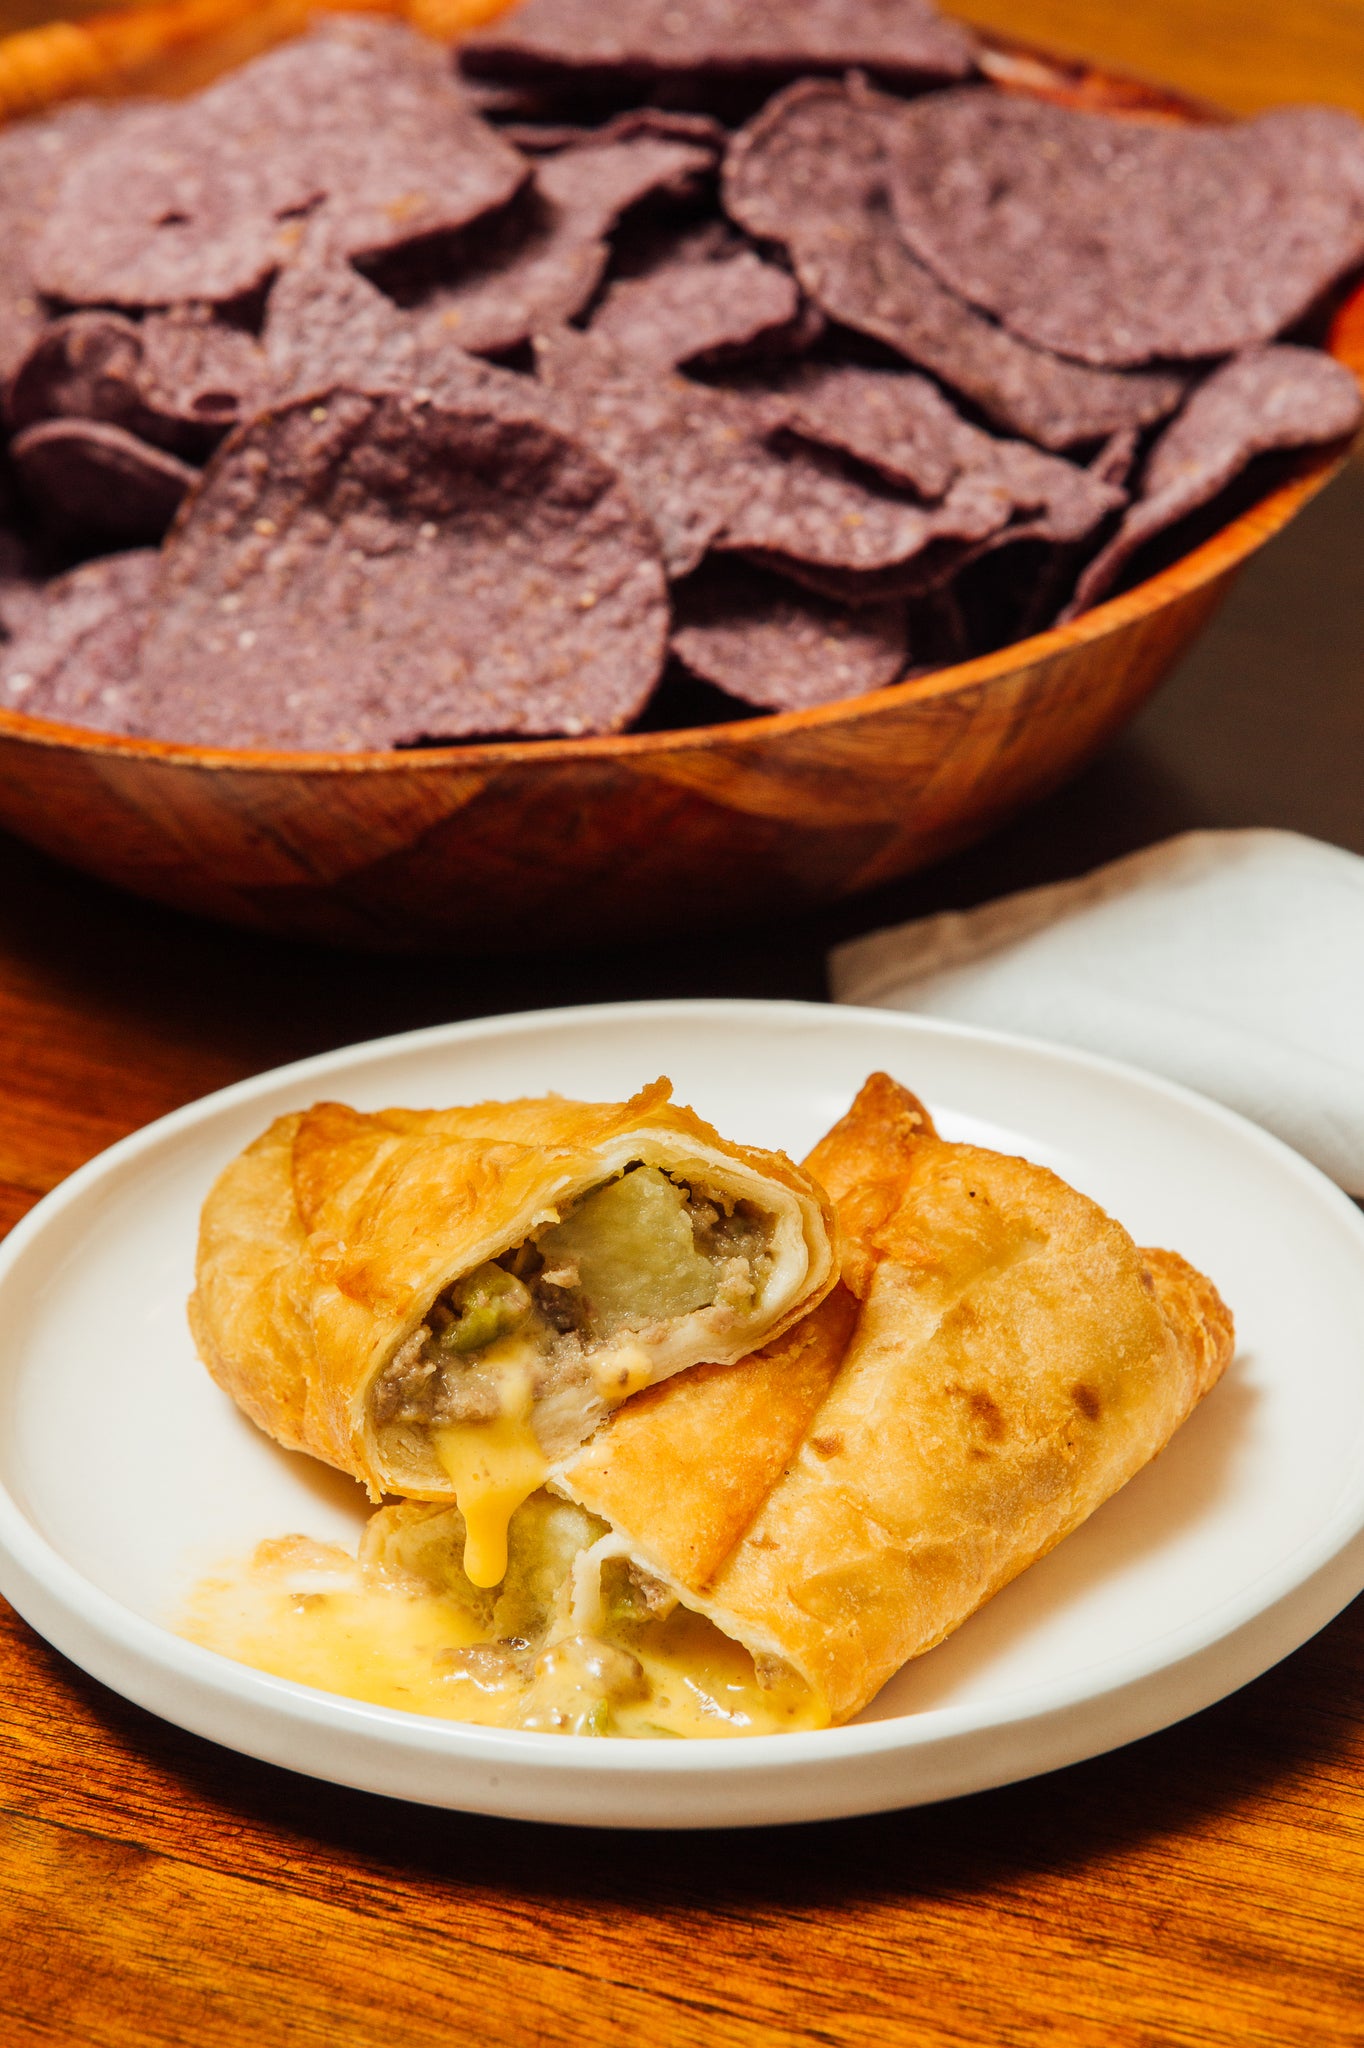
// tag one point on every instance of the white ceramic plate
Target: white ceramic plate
(126, 1473)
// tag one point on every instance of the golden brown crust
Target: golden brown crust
(875, 1140)
(324, 1244)
(692, 1461)
(1198, 1315)
(245, 1314)
(863, 1162)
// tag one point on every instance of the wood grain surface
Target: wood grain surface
(1203, 1886)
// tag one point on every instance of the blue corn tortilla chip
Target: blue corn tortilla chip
(203, 199)
(367, 571)
(895, 422)
(504, 103)
(1269, 398)
(808, 509)
(35, 157)
(655, 41)
(685, 312)
(97, 482)
(199, 376)
(1120, 242)
(325, 324)
(178, 380)
(703, 467)
(1117, 458)
(687, 454)
(75, 657)
(782, 649)
(666, 124)
(900, 425)
(542, 263)
(810, 173)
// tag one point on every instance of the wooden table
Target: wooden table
(1200, 1887)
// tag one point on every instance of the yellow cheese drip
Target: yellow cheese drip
(493, 1466)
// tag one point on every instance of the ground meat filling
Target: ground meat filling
(629, 1258)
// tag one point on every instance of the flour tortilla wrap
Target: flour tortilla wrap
(999, 1360)
(343, 1242)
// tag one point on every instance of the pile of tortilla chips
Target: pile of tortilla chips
(691, 360)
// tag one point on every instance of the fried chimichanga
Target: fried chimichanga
(1017, 1360)
(442, 1302)
(999, 1360)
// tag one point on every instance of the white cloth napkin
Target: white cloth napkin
(1230, 961)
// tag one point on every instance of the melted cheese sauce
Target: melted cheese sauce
(621, 1372)
(703, 1683)
(493, 1466)
(309, 1612)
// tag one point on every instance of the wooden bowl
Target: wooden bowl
(503, 846)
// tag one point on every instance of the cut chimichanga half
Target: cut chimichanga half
(442, 1302)
(759, 1546)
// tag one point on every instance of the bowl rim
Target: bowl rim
(1216, 557)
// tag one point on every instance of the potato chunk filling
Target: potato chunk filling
(627, 1260)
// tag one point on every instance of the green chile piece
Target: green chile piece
(488, 1304)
